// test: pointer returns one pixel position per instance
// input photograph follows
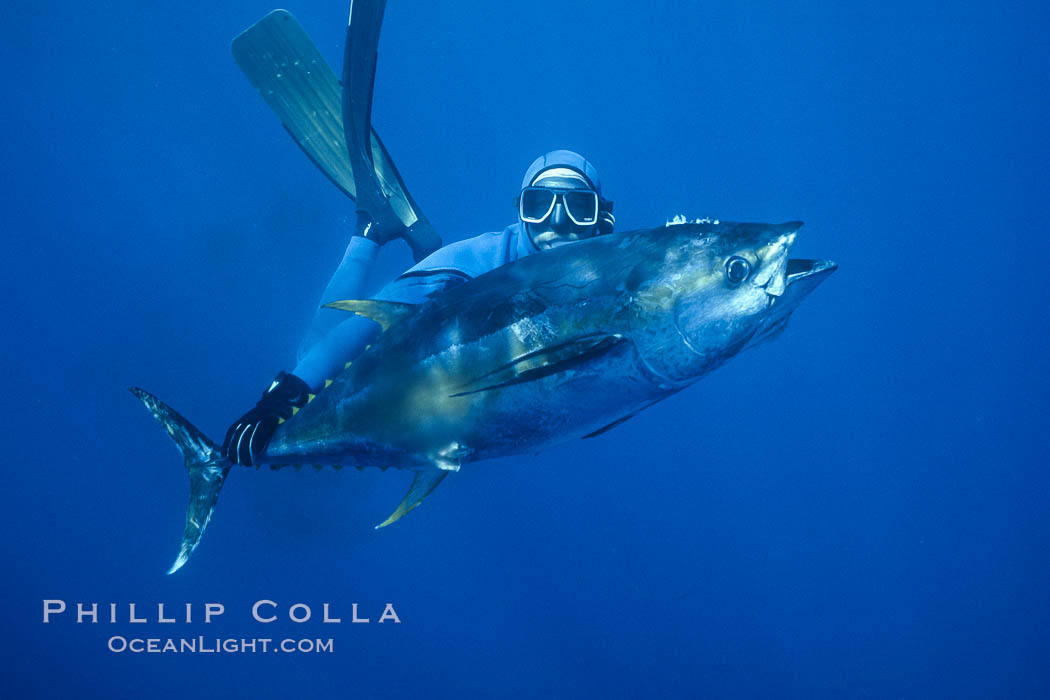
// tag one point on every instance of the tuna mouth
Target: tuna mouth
(802, 277)
(798, 270)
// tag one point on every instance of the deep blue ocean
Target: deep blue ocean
(857, 510)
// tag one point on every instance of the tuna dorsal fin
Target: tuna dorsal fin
(385, 313)
(422, 486)
(543, 362)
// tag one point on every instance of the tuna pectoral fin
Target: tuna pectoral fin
(385, 313)
(543, 362)
(422, 486)
(609, 427)
(207, 469)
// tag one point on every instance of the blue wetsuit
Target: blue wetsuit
(335, 339)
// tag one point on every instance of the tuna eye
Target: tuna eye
(737, 269)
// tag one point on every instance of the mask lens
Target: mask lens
(536, 204)
(582, 206)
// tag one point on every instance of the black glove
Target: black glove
(250, 433)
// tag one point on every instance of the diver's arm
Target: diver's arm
(329, 356)
(348, 282)
(250, 433)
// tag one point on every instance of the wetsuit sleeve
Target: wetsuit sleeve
(348, 339)
(348, 282)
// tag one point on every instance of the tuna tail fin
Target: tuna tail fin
(207, 467)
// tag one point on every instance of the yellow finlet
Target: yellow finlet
(328, 382)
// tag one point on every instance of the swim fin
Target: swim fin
(284, 65)
(380, 191)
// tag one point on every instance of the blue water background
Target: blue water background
(856, 510)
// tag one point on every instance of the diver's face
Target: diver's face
(558, 228)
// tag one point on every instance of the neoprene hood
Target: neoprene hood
(563, 159)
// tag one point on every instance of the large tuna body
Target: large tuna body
(535, 352)
(552, 347)
(555, 346)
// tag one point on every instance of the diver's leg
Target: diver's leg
(379, 188)
(348, 282)
(296, 82)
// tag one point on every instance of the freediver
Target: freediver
(560, 201)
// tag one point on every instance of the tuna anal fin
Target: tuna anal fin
(422, 486)
(543, 362)
(205, 463)
(385, 313)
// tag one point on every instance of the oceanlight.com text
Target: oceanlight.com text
(217, 645)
